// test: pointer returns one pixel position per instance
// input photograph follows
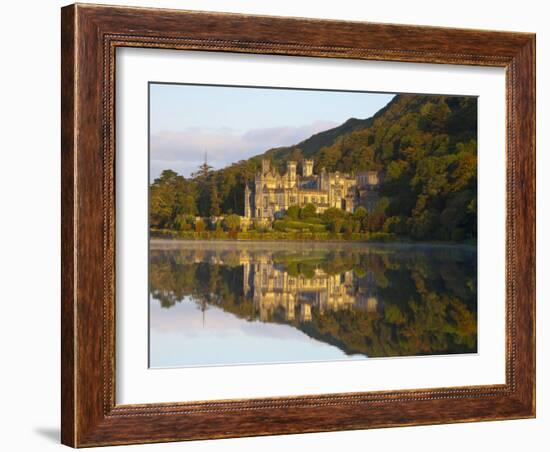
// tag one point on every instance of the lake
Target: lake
(228, 302)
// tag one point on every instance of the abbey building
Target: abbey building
(272, 193)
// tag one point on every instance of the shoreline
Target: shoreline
(310, 243)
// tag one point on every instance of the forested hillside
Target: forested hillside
(425, 145)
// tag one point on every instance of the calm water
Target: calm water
(216, 303)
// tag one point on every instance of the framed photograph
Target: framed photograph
(281, 225)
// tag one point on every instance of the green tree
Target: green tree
(232, 222)
(171, 195)
(360, 213)
(202, 180)
(348, 226)
(332, 213)
(336, 225)
(361, 217)
(214, 200)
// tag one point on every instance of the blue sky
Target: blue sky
(235, 123)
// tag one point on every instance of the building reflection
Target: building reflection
(272, 288)
(375, 301)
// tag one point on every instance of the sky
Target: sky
(229, 124)
(183, 336)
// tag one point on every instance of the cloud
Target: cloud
(184, 150)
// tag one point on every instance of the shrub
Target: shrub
(199, 226)
(333, 213)
(289, 226)
(182, 223)
(232, 223)
(308, 211)
(347, 227)
(293, 212)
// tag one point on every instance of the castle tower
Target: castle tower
(291, 170)
(307, 168)
(247, 211)
(373, 177)
(324, 183)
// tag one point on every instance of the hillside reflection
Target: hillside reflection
(375, 301)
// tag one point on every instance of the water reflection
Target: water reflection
(273, 302)
(275, 288)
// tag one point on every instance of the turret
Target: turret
(247, 212)
(373, 178)
(307, 168)
(291, 169)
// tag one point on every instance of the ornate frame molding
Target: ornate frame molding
(90, 37)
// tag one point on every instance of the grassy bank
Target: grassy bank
(276, 236)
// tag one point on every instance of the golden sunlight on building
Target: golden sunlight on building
(272, 193)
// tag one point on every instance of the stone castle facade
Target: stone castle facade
(272, 194)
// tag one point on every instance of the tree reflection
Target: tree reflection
(375, 301)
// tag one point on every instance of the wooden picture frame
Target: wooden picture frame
(90, 35)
